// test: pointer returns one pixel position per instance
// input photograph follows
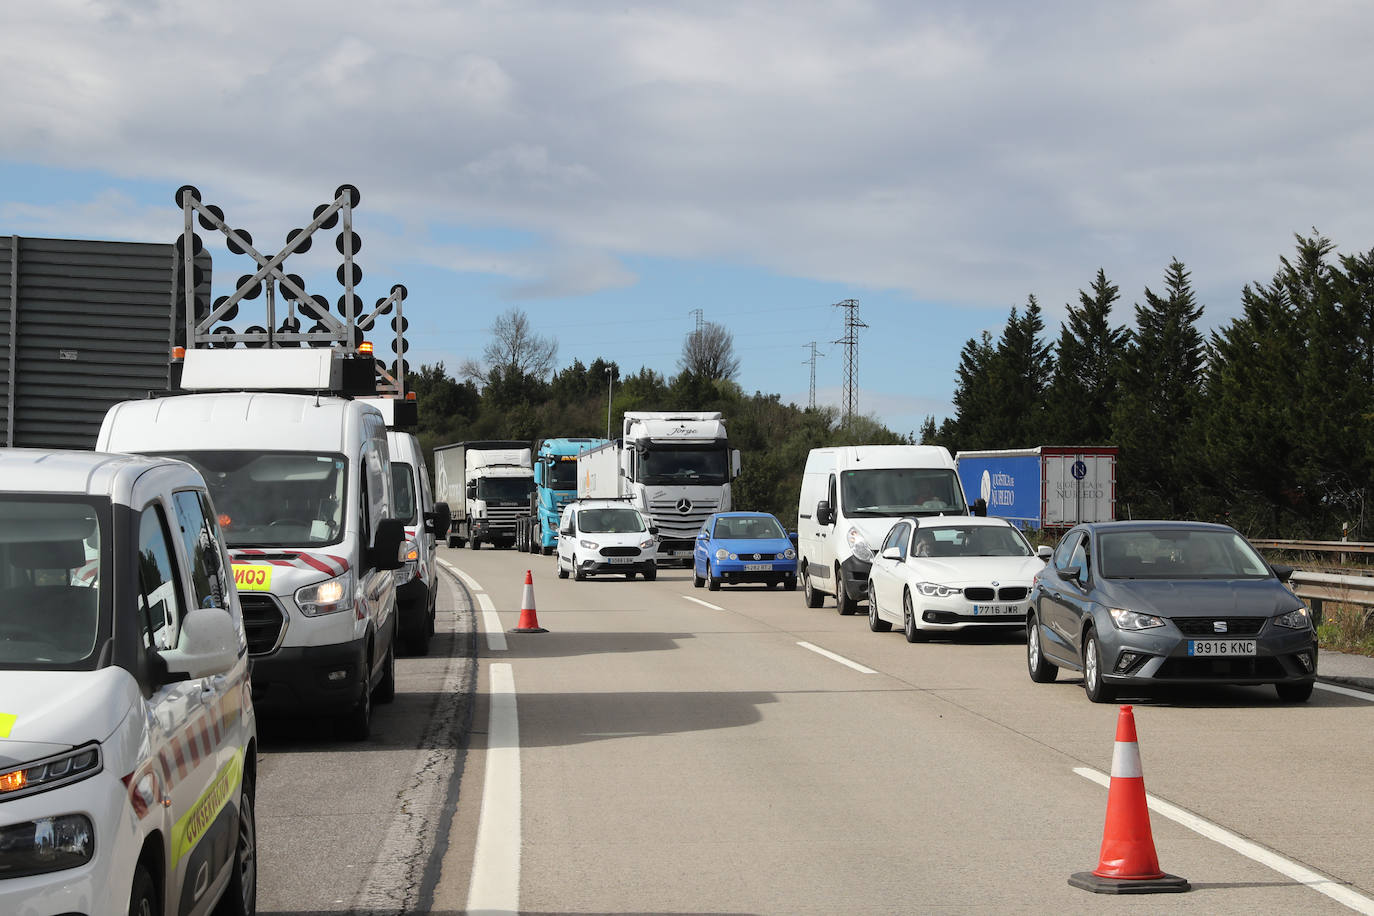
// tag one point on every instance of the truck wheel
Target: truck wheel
(475, 544)
(452, 541)
(546, 551)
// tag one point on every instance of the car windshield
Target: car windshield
(684, 465)
(50, 582)
(506, 489)
(562, 475)
(403, 487)
(1178, 553)
(901, 491)
(275, 499)
(610, 521)
(970, 541)
(749, 528)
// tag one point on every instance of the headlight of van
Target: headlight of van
(858, 545)
(589, 545)
(646, 543)
(46, 845)
(328, 597)
(48, 773)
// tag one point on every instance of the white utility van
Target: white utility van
(128, 742)
(417, 582)
(303, 486)
(598, 536)
(850, 497)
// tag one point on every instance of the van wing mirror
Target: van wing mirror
(437, 522)
(386, 545)
(823, 513)
(208, 645)
(980, 506)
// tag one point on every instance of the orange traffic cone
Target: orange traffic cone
(1127, 863)
(529, 622)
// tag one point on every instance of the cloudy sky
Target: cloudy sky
(609, 167)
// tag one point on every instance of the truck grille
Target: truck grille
(502, 518)
(674, 524)
(263, 622)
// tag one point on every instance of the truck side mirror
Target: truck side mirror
(437, 522)
(472, 489)
(208, 645)
(823, 513)
(386, 545)
(734, 463)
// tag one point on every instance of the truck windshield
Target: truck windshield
(562, 475)
(275, 499)
(707, 466)
(403, 486)
(50, 582)
(514, 489)
(609, 521)
(901, 491)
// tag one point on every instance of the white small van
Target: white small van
(417, 581)
(600, 536)
(304, 490)
(850, 497)
(128, 739)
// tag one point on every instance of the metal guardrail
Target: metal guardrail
(1365, 547)
(1316, 588)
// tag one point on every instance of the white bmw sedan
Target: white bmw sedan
(948, 573)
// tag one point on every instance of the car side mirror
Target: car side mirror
(1044, 552)
(386, 545)
(892, 553)
(823, 513)
(208, 645)
(1075, 572)
(1282, 571)
(437, 522)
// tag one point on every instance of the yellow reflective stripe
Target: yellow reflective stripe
(7, 721)
(187, 831)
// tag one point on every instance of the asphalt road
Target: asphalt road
(650, 754)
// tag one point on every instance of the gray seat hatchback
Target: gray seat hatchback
(1141, 604)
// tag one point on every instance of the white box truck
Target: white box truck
(676, 467)
(487, 485)
(850, 498)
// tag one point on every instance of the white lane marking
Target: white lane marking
(1320, 883)
(1347, 692)
(495, 884)
(839, 658)
(467, 580)
(491, 623)
(703, 603)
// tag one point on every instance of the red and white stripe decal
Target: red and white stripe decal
(328, 563)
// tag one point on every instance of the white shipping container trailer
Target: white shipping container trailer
(1050, 486)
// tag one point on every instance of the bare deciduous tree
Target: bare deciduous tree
(515, 349)
(710, 353)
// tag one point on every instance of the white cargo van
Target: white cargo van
(303, 486)
(850, 497)
(128, 741)
(417, 581)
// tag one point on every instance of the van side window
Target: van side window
(159, 598)
(202, 547)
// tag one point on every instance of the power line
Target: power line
(850, 340)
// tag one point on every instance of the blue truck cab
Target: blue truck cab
(555, 485)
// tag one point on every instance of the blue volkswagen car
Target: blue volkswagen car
(744, 547)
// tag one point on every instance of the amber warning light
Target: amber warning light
(365, 348)
(225, 521)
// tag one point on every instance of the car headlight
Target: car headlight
(1133, 620)
(789, 554)
(936, 590)
(858, 545)
(722, 554)
(589, 545)
(328, 597)
(49, 773)
(646, 543)
(46, 845)
(1297, 619)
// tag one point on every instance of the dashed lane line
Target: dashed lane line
(838, 658)
(703, 603)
